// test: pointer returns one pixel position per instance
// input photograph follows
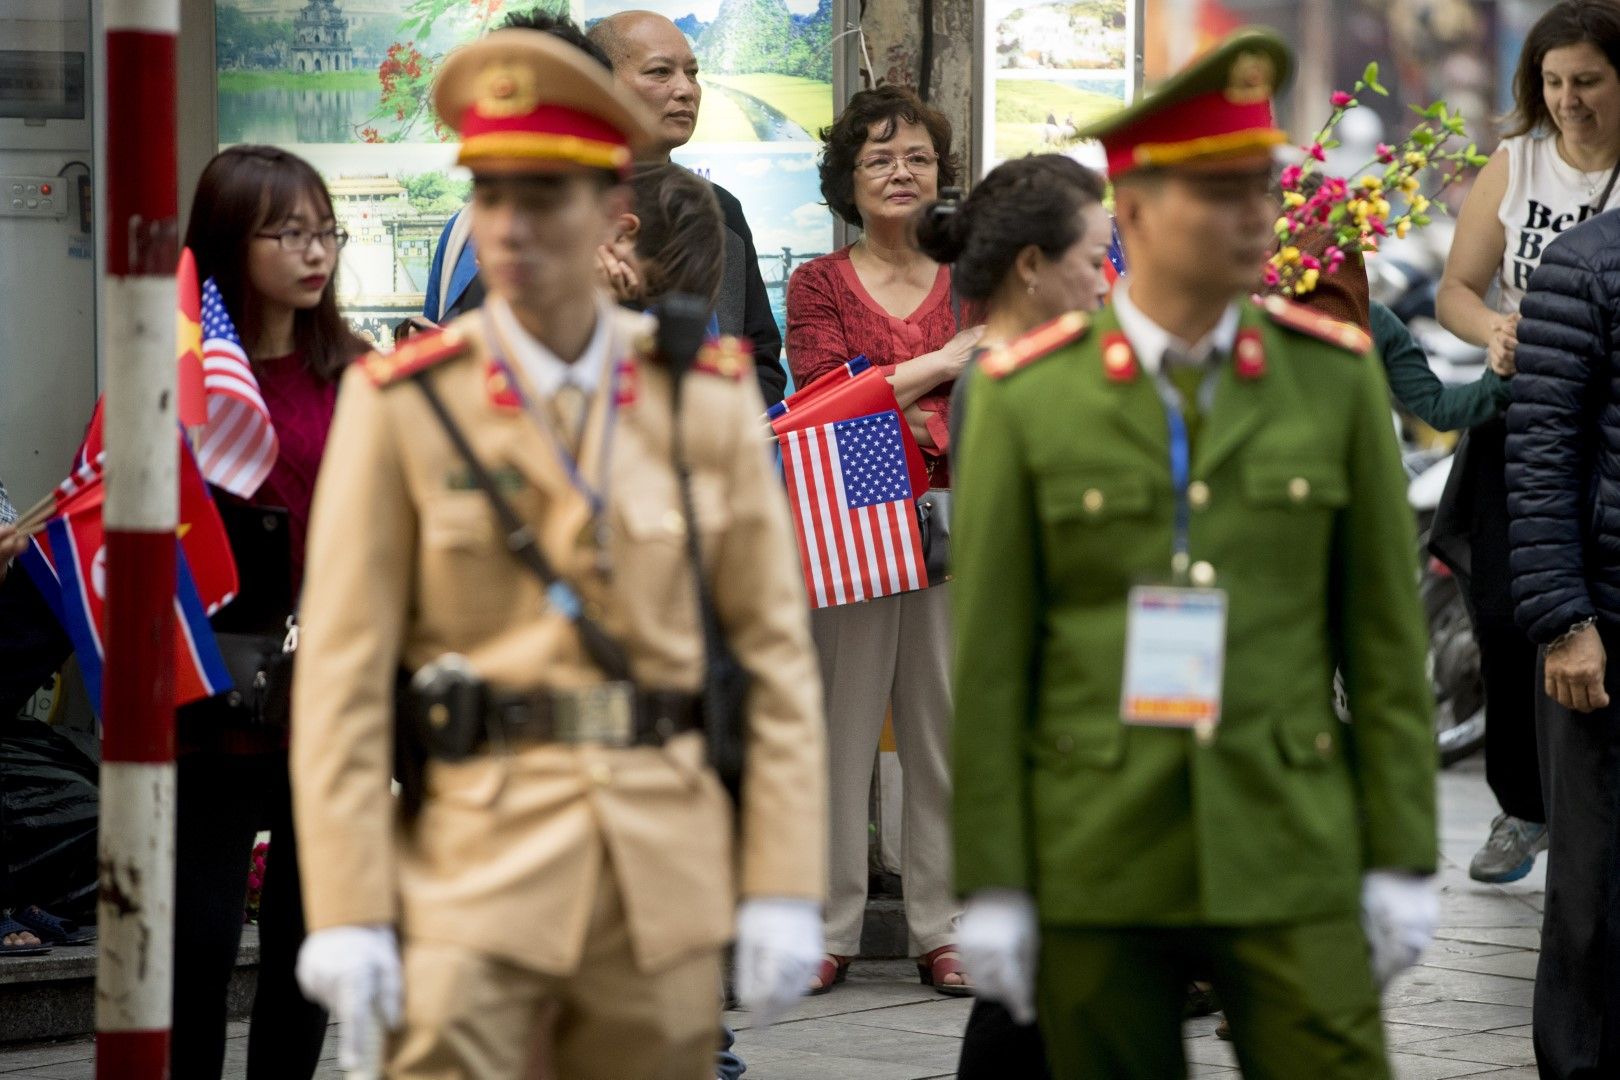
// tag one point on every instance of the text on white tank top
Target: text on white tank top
(1545, 196)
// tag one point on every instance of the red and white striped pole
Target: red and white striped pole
(135, 907)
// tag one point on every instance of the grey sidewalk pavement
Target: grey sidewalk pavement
(1465, 1012)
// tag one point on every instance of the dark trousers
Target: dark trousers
(994, 1047)
(1300, 999)
(1577, 998)
(222, 801)
(1508, 663)
(1507, 657)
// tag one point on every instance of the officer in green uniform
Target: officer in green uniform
(1174, 521)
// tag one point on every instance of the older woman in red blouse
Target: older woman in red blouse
(887, 155)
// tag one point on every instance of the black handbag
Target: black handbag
(261, 669)
(934, 523)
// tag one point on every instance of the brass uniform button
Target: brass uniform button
(1064, 744)
(1299, 489)
(1203, 575)
(1093, 501)
(1324, 744)
(438, 714)
(1198, 494)
(601, 775)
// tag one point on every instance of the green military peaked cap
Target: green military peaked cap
(1218, 108)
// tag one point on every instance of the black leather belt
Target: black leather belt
(609, 714)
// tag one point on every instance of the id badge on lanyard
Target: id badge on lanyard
(1175, 635)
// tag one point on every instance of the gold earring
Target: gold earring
(1029, 290)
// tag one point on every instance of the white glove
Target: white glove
(779, 946)
(354, 972)
(997, 937)
(1399, 912)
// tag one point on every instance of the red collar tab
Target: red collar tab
(1119, 359)
(1249, 355)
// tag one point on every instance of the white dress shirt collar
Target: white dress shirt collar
(1149, 340)
(544, 371)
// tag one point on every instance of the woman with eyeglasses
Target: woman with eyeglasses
(263, 228)
(887, 155)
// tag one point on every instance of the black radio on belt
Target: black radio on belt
(447, 708)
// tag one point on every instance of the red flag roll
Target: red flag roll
(193, 401)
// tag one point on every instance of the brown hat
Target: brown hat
(524, 101)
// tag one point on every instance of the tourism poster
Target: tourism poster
(345, 84)
(1050, 67)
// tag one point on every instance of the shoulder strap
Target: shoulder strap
(606, 653)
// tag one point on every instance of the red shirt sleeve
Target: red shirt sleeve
(815, 324)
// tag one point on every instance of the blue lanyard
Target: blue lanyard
(1180, 474)
(597, 495)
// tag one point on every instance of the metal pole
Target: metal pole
(135, 907)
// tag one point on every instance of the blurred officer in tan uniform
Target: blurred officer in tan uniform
(573, 853)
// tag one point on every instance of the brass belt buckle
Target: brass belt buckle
(603, 714)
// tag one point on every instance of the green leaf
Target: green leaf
(1423, 137)
(1437, 109)
(1421, 219)
(1370, 75)
(1331, 144)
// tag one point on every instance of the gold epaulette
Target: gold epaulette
(419, 351)
(728, 357)
(1314, 324)
(1029, 347)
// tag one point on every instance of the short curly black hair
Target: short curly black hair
(888, 106)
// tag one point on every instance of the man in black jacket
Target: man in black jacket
(1563, 480)
(652, 58)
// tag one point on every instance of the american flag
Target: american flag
(238, 444)
(852, 505)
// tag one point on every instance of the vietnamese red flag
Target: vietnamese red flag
(192, 399)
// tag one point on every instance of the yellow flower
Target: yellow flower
(1402, 227)
(1416, 160)
(1409, 185)
(1288, 256)
(1419, 204)
(1282, 228)
(1372, 183)
(1381, 208)
(1307, 281)
(1292, 199)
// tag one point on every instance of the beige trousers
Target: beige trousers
(469, 1016)
(894, 651)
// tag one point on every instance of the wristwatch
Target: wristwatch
(1569, 635)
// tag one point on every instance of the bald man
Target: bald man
(653, 59)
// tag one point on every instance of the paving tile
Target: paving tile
(1455, 949)
(1523, 1072)
(1401, 1034)
(930, 1053)
(1484, 1047)
(1417, 1067)
(1518, 964)
(926, 1018)
(1517, 937)
(1448, 984)
(1525, 1031)
(1473, 1015)
(780, 1064)
(41, 1055)
(1208, 1050)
